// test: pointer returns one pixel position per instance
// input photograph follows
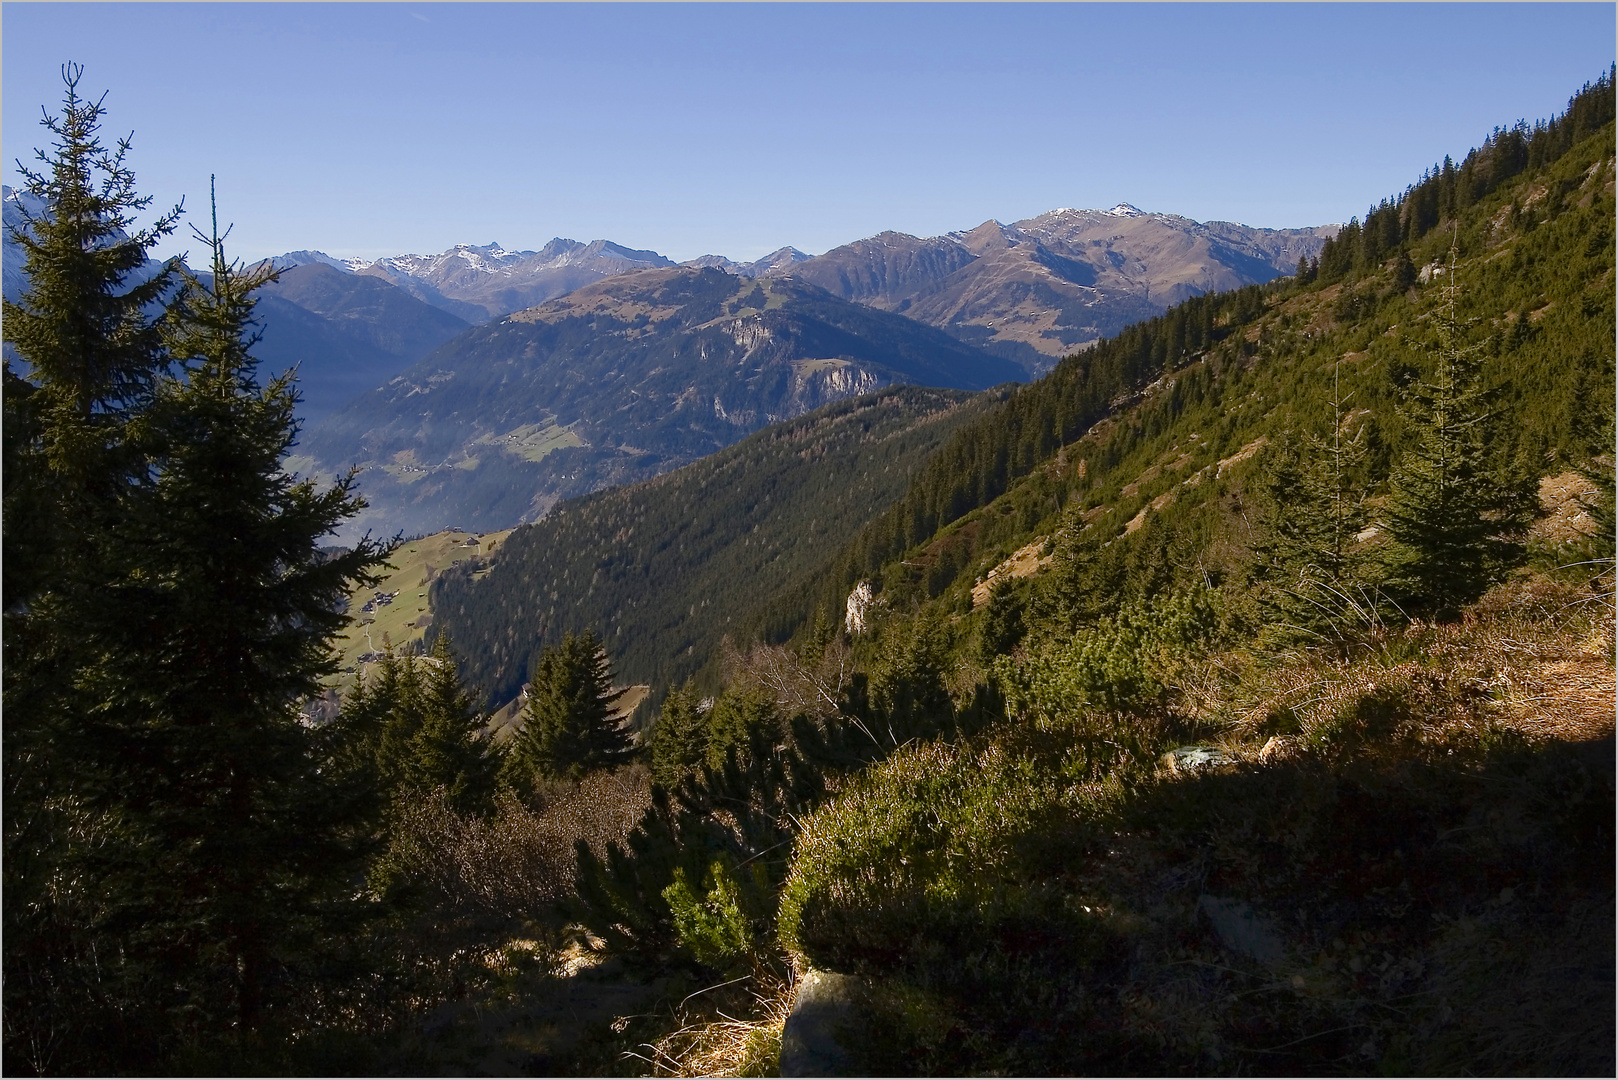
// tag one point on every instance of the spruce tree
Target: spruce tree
(1309, 556)
(92, 351)
(83, 325)
(680, 738)
(1457, 520)
(395, 696)
(1002, 622)
(216, 622)
(568, 723)
(448, 749)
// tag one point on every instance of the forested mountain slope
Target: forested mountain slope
(663, 569)
(1146, 435)
(1124, 434)
(1218, 697)
(616, 382)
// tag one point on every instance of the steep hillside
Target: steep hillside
(1033, 290)
(617, 382)
(665, 568)
(395, 612)
(1140, 437)
(368, 309)
(1217, 698)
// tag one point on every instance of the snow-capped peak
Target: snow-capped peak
(1123, 209)
(306, 256)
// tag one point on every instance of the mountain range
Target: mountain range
(1141, 465)
(1035, 290)
(1030, 291)
(615, 382)
(602, 387)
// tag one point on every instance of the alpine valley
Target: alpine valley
(597, 364)
(1103, 644)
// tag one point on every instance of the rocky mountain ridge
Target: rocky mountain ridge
(1038, 289)
(1031, 291)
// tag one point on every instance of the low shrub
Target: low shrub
(941, 849)
(514, 863)
(1127, 662)
(1008, 915)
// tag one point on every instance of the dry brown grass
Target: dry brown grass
(1533, 656)
(730, 1030)
(519, 859)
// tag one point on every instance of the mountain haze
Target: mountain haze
(345, 333)
(666, 568)
(1029, 291)
(618, 381)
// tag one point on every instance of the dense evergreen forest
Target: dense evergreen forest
(1237, 698)
(664, 569)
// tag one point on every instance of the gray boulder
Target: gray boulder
(825, 1013)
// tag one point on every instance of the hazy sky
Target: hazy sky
(377, 129)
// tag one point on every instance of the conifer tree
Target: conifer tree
(744, 714)
(1309, 554)
(1457, 521)
(92, 353)
(448, 749)
(83, 325)
(396, 704)
(216, 622)
(568, 725)
(1002, 622)
(680, 737)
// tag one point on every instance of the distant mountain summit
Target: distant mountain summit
(1037, 289)
(485, 282)
(778, 261)
(479, 282)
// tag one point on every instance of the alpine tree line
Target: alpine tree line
(1448, 189)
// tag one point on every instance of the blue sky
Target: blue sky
(378, 129)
